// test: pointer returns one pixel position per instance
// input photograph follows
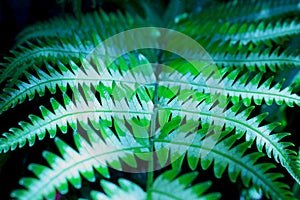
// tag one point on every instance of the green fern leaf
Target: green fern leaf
(98, 154)
(260, 57)
(64, 27)
(36, 55)
(165, 187)
(224, 154)
(84, 110)
(245, 11)
(208, 113)
(243, 33)
(84, 74)
(253, 58)
(127, 189)
(242, 88)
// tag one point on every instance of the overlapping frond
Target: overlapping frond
(242, 33)
(88, 74)
(32, 50)
(246, 87)
(98, 153)
(166, 186)
(231, 118)
(253, 58)
(83, 110)
(34, 56)
(248, 11)
(126, 190)
(64, 27)
(198, 148)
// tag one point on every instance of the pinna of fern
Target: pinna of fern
(66, 26)
(259, 57)
(264, 31)
(51, 78)
(250, 11)
(65, 41)
(163, 188)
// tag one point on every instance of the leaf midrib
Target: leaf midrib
(241, 123)
(270, 185)
(86, 160)
(233, 90)
(47, 123)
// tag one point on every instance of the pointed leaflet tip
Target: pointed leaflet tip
(55, 104)
(45, 112)
(188, 178)
(170, 174)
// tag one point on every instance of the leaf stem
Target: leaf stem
(150, 178)
(151, 148)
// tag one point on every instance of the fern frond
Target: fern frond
(45, 29)
(243, 33)
(296, 163)
(228, 83)
(126, 190)
(165, 186)
(224, 154)
(63, 27)
(85, 109)
(208, 113)
(248, 11)
(51, 78)
(99, 154)
(36, 54)
(253, 58)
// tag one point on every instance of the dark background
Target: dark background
(15, 15)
